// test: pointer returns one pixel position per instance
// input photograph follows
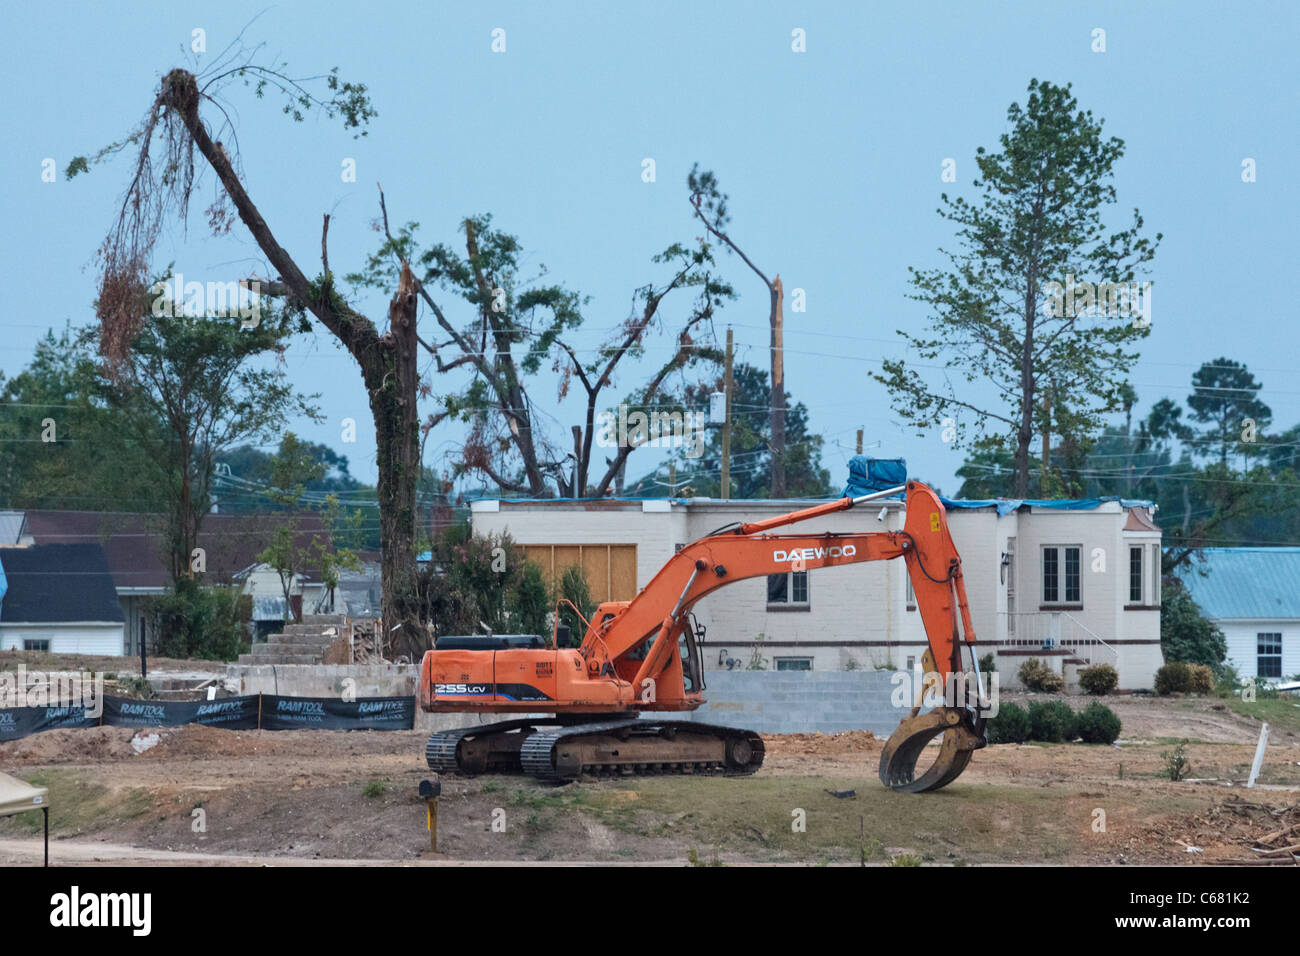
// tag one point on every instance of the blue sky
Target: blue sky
(831, 158)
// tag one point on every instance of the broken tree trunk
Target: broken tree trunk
(388, 369)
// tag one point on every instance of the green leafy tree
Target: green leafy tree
(1225, 398)
(1186, 634)
(290, 550)
(519, 324)
(61, 446)
(200, 378)
(996, 320)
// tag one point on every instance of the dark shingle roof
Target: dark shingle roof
(134, 542)
(54, 583)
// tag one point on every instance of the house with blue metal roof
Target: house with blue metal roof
(1252, 594)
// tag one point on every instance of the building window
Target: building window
(1061, 581)
(794, 663)
(1155, 575)
(1269, 661)
(36, 645)
(789, 589)
(1135, 575)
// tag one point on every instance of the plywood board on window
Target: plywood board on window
(610, 569)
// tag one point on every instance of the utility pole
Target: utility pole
(859, 441)
(778, 483)
(726, 424)
(672, 479)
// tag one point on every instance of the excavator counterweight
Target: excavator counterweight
(642, 656)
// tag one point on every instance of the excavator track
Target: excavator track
(549, 750)
(445, 754)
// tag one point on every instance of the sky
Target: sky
(832, 159)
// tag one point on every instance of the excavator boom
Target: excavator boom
(641, 655)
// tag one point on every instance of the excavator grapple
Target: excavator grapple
(905, 746)
(598, 701)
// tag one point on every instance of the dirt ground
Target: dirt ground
(301, 797)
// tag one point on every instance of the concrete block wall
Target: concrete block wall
(786, 702)
(772, 702)
(325, 680)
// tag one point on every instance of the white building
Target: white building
(1068, 582)
(58, 599)
(1251, 594)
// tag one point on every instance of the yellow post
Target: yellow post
(430, 790)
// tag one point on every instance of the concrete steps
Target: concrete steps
(304, 643)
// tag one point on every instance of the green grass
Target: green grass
(753, 816)
(1281, 712)
(79, 806)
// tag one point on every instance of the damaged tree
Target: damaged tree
(517, 325)
(710, 206)
(387, 360)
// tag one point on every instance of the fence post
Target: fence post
(1259, 755)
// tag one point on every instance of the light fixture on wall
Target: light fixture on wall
(1006, 563)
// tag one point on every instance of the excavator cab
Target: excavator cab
(689, 649)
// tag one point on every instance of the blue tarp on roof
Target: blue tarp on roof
(1007, 505)
(874, 474)
(1246, 582)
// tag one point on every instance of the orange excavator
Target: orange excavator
(642, 656)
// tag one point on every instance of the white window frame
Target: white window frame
(1259, 657)
(1138, 551)
(789, 591)
(1061, 598)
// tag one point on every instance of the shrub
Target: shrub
(1052, 722)
(1036, 675)
(573, 588)
(1098, 680)
(1009, 726)
(988, 664)
(1177, 766)
(194, 621)
(1173, 678)
(1227, 681)
(1097, 724)
(1200, 679)
(1180, 677)
(532, 602)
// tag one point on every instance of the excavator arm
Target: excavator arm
(629, 657)
(748, 551)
